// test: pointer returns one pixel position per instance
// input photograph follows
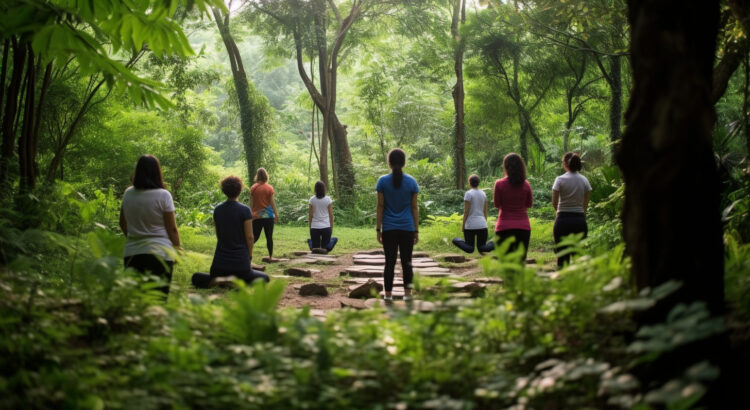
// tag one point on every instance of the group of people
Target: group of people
(147, 219)
(512, 197)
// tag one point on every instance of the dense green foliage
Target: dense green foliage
(134, 77)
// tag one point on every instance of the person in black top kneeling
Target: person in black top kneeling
(234, 234)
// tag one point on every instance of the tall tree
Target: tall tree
(666, 150)
(250, 113)
(458, 19)
(323, 27)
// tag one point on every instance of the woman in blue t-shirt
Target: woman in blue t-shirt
(234, 239)
(397, 221)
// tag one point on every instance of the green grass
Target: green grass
(435, 237)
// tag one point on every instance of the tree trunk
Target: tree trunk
(615, 102)
(11, 111)
(25, 154)
(459, 133)
(666, 152)
(250, 141)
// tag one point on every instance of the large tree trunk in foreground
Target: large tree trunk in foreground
(459, 133)
(671, 216)
(615, 102)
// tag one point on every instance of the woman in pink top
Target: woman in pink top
(513, 198)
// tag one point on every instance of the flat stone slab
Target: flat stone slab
(371, 262)
(353, 304)
(319, 313)
(320, 251)
(431, 269)
(451, 257)
(274, 260)
(470, 287)
(489, 280)
(420, 254)
(415, 305)
(258, 267)
(300, 253)
(370, 252)
(548, 275)
(434, 274)
(305, 273)
(360, 274)
(425, 265)
(313, 289)
(396, 294)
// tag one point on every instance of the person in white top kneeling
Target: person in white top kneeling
(148, 222)
(474, 225)
(321, 220)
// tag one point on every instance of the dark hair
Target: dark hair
(572, 161)
(261, 175)
(474, 180)
(397, 160)
(320, 189)
(515, 169)
(148, 173)
(231, 186)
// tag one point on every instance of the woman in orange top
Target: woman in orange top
(264, 209)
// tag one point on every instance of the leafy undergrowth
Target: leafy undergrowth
(101, 336)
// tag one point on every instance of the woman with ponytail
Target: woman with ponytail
(397, 221)
(512, 197)
(570, 198)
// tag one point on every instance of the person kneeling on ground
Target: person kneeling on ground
(234, 234)
(320, 220)
(474, 225)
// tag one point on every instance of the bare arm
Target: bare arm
(555, 199)
(415, 215)
(249, 236)
(330, 214)
(586, 198)
(123, 223)
(467, 208)
(485, 210)
(310, 217)
(171, 225)
(379, 216)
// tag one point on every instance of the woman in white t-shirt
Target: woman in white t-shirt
(570, 198)
(321, 220)
(474, 225)
(147, 220)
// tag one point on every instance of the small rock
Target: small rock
(452, 257)
(305, 273)
(353, 303)
(313, 289)
(365, 289)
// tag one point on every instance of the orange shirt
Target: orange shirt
(262, 194)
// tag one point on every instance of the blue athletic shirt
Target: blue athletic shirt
(397, 213)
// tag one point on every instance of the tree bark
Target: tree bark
(459, 133)
(25, 152)
(615, 102)
(250, 141)
(11, 111)
(666, 152)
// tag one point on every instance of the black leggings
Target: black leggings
(393, 243)
(522, 237)
(321, 238)
(202, 280)
(147, 262)
(480, 235)
(568, 223)
(265, 224)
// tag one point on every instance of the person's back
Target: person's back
(262, 193)
(476, 218)
(144, 211)
(513, 202)
(232, 254)
(573, 188)
(320, 217)
(397, 213)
